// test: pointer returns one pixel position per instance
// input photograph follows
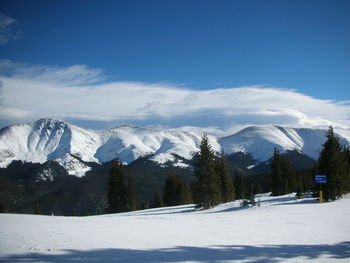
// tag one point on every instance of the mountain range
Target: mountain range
(73, 147)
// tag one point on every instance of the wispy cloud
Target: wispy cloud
(8, 29)
(62, 76)
(78, 93)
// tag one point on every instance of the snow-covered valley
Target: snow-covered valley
(282, 229)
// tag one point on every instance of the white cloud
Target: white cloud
(68, 93)
(13, 113)
(8, 30)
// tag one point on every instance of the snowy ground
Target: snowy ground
(282, 229)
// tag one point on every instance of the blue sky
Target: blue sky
(299, 47)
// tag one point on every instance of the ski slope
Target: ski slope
(282, 229)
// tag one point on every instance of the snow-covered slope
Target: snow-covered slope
(260, 141)
(73, 147)
(282, 229)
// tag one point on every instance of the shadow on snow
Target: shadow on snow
(267, 253)
(300, 202)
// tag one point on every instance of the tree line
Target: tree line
(333, 162)
(214, 183)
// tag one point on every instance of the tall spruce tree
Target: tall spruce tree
(156, 201)
(283, 179)
(117, 192)
(226, 181)
(346, 156)
(37, 209)
(2, 207)
(299, 186)
(207, 188)
(170, 189)
(288, 177)
(276, 174)
(176, 191)
(239, 185)
(331, 163)
(131, 194)
(183, 193)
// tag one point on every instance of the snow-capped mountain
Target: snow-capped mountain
(69, 145)
(260, 141)
(72, 147)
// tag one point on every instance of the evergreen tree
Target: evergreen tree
(239, 185)
(142, 206)
(288, 177)
(36, 209)
(276, 174)
(86, 212)
(156, 201)
(331, 163)
(282, 175)
(2, 207)
(346, 157)
(117, 192)
(75, 212)
(176, 191)
(183, 194)
(187, 194)
(131, 193)
(299, 186)
(226, 181)
(170, 190)
(207, 188)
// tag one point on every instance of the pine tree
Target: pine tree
(282, 175)
(332, 164)
(183, 194)
(187, 193)
(117, 199)
(346, 157)
(276, 174)
(156, 201)
(239, 185)
(176, 191)
(207, 188)
(131, 193)
(2, 207)
(226, 181)
(287, 177)
(75, 212)
(299, 186)
(36, 209)
(170, 190)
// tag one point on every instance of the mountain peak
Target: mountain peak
(51, 139)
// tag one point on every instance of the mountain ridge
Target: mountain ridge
(71, 145)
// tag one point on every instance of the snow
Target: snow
(73, 166)
(260, 141)
(250, 166)
(56, 140)
(45, 175)
(282, 229)
(48, 139)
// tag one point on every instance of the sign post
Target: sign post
(321, 179)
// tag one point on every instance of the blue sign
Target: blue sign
(320, 179)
